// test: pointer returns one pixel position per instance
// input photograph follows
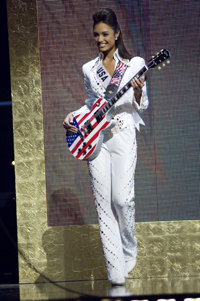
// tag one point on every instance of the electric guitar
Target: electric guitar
(86, 143)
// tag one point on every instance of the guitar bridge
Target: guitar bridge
(98, 116)
(88, 126)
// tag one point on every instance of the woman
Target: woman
(112, 171)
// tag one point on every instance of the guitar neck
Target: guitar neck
(121, 92)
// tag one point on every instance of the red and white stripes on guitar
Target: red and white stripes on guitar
(85, 143)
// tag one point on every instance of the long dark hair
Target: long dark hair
(107, 16)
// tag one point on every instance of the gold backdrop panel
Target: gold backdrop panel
(165, 249)
(28, 135)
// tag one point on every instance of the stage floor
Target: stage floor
(134, 289)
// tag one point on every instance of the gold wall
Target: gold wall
(165, 249)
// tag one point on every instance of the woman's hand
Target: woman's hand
(67, 123)
(137, 85)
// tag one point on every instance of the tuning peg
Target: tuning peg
(168, 61)
(163, 64)
(159, 68)
(153, 56)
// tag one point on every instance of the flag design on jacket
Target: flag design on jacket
(118, 74)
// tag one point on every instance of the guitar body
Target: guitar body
(86, 143)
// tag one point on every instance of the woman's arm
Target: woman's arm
(140, 99)
(137, 85)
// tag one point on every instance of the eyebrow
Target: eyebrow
(102, 32)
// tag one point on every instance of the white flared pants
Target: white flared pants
(112, 179)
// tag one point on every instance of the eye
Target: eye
(95, 34)
(105, 34)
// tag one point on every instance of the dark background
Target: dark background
(8, 228)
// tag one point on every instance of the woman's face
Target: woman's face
(104, 37)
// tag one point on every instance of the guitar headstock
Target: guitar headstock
(159, 58)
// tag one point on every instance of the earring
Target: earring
(115, 39)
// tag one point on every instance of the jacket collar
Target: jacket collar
(116, 56)
(119, 58)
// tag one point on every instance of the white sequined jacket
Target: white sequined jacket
(126, 109)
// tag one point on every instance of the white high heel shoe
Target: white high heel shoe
(118, 281)
(131, 264)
